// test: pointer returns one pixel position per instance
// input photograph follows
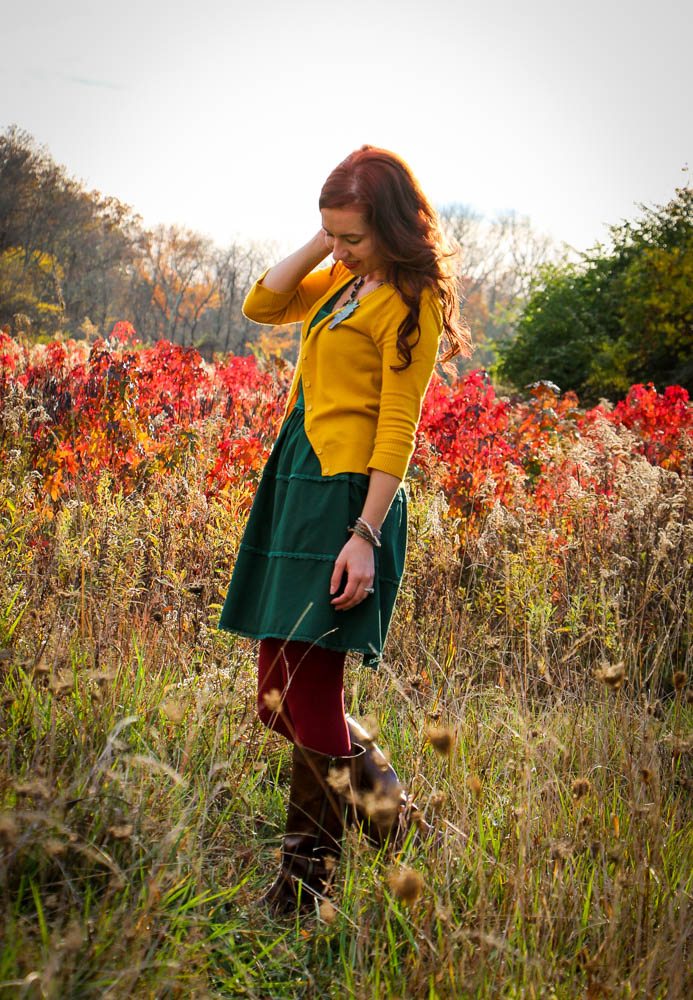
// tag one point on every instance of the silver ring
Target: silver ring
(369, 590)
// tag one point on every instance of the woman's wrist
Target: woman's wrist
(382, 489)
(362, 529)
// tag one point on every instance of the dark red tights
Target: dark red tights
(300, 694)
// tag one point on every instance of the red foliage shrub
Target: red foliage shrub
(662, 422)
(131, 410)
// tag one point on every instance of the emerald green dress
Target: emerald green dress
(280, 586)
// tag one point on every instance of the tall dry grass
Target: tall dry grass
(535, 692)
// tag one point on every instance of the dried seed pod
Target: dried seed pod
(327, 912)
(613, 675)
(62, 683)
(173, 710)
(382, 808)
(273, 700)
(8, 829)
(561, 850)
(580, 787)
(437, 801)
(36, 789)
(121, 831)
(406, 884)
(474, 785)
(372, 727)
(441, 739)
(339, 781)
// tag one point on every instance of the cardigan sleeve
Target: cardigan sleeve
(402, 392)
(263, 305)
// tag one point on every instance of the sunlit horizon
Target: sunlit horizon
(226, 121)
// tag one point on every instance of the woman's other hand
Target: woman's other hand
(357, 560)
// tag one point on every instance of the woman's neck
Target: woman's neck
(374, 278)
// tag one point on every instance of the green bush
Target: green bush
(617, 316)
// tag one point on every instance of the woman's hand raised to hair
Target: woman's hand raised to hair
(357, 560)
(288, 273)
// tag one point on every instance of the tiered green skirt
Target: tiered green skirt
(280, 587)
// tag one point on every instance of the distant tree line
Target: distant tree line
(75, 261)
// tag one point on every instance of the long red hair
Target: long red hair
(409, 238)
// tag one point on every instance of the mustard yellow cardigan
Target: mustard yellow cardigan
(360, 415)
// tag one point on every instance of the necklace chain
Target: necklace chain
(351, 304)
(358, 285)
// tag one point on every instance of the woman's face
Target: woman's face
(352, 241)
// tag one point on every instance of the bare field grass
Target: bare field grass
(539, 705)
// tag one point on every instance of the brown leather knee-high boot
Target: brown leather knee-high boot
(381, 804)
(312, 842)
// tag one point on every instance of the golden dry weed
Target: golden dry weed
(381, 759)
(525, 595)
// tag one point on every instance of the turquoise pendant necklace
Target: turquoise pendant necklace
(350, 306)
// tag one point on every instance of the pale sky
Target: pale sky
(226, 117)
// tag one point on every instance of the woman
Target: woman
(323, 553)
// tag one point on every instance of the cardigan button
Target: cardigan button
(307, 383)
(310, 406)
